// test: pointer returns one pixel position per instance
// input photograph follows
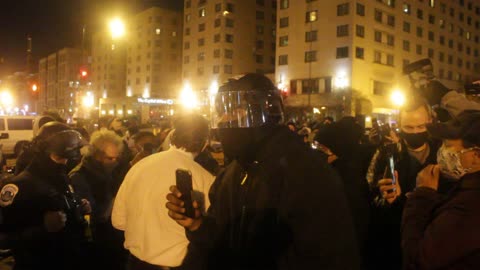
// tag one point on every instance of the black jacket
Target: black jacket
(286, 210)
(41, 189)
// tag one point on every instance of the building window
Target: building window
(284, 4)
(310, 86)
(230, 7)
(342, 52)
(391, 20)
(406, 8)
(283, 22)
(390, 60)
(260, 29)
(188, 3)
(378, 16)
(216, 53)
(442, 40)
(360, 30)
(260, 15)
(259, 59)
(431, 3)
(218, 7)
(343, 9)
(216, 38)
(342, 30)
(229, 22)
(430, 53)
(360, 9)
(310, 56)
(420, 14)
(227, 69)
(360, 53)
(283, 60)
(201, 27)
(216, 69)
(261, 2)
(450, 59)
(406, 27)
(311, 16)
(406, 45)
(229, 38)
(441, 57)
(419, 32)
(188, 17)
(311, 36)
(186, 46)
(228, 54)
(431, 19)
(450, 44)
(201, 56)
(200, 71)
(381, 88)
(283, 41)
(202, 12)
(201, 42)
(419, 49)
(187, 31)
(259, 44)
(431, 36)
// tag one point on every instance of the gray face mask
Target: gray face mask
(450, 162)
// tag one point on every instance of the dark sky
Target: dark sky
(54, 24)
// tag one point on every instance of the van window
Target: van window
(2, 124)
(20, 124)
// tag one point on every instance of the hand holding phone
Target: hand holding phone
(184, 185)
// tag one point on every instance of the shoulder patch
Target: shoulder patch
(7, 194)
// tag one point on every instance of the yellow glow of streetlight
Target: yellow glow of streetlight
(88, 100)
(117, 28)
(397, 98)
(213, 90)
(6, 99)
(188, 98)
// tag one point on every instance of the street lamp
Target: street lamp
(117, 28)
(188, 98)
(6, 99)
(397, 98)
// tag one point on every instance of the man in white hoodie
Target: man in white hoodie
(154, 240)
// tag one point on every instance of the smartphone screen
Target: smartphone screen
(184, 185)
(392, 170)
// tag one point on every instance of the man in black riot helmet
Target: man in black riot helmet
(277, 205)
(42, 216)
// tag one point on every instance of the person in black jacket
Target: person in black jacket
(277, 205)
(414, 150)
(42, 216)
(97, 179)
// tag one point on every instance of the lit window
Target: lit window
(432, 3)
(406, 8)
(311, 16)
(158, 31)
(202, 12)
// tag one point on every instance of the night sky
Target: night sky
(54, 24)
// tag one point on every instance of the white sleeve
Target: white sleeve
(119, 213)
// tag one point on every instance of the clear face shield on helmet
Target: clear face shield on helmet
(246, 109)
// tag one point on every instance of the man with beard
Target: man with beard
(97, 179)
(41, 214)
(276, 205)
(413, 150)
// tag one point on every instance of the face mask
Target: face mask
(415, 140)
(450, 163)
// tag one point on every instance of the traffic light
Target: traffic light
(83, 73)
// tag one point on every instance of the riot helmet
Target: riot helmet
(59, 139)
(247, 102)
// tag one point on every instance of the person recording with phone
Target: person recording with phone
(391, 174)
(154, 240)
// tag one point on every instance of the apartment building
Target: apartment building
(154, 53)
(346, 56)
(58, 79)
(224, 38)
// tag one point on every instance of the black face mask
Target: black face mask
(415, 140)
(242, 143)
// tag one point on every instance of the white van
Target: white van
(14, 129)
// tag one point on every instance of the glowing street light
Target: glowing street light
(88, 100)
(341, 80)
(188, 98)
(117, 28)
(213, 89)
(398, 98)
(6, 99)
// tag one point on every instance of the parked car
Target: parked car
(15, 129)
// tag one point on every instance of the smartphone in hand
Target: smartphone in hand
(184, 185)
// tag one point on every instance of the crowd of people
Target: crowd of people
(324, 195)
